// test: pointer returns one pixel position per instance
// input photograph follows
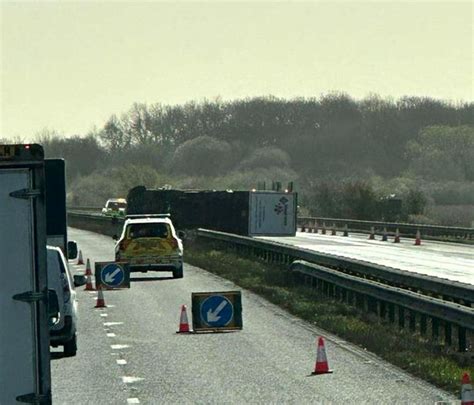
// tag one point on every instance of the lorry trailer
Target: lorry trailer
(249, 213)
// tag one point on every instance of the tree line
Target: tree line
(386, 146)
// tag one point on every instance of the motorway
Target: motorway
(441, 259)
(129, 352)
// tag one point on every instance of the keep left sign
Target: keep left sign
(111, 275)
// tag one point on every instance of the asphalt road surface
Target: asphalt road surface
(130, 352)
(441, 259)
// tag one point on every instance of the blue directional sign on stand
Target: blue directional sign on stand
(217, 311)
(111, 275)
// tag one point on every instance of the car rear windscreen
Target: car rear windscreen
(159, 230)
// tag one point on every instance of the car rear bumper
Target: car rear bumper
(155, 266)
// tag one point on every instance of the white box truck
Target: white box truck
(24, 334)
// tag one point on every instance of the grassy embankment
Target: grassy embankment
(418, 356)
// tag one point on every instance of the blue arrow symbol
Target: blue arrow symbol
(213, 316)
(110, 277)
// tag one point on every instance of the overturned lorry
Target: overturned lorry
(249, 213)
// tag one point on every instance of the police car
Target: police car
(115, 207)
(150, 242)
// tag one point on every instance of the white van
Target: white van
(63, 329)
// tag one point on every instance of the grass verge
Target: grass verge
(412, 353)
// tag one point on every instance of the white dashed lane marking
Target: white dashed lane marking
(110, 335)
(121, 362)
(131, 380)
(118, 347)
(103, 315)
(112, 323)
(133, 401)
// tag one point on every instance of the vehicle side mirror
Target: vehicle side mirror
(115, 237)
(181, 234)
(53, 305)
(72, 250)
(79, 280)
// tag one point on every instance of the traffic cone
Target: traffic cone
(333, 231)
(80, 260)
(321, 366)
(397, 237)
(88, 268)
(183, 321)
(418, 238)
(467, 392)
(384, 235)
(100, 303)
(89, 286)
(323, 229)
(372, 233)
(346, 231)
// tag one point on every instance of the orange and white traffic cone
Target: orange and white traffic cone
(418, 238)
(346, 231)
(89, 285)
(321, 366)
(384, 235)
(80, 260)
(100, 303)
(88, 268)
(372, 233)
(397, 237)
(467, 392)
(183, 321)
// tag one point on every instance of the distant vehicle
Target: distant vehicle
(249, 213)
(63, 330)
(115, 207)
(150, 243)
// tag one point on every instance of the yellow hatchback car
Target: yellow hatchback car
(150, 243)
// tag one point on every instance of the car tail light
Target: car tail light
(123, 244)
(66, 292)
(174, 243)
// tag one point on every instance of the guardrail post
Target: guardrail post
(371, 305)
(401, 317)
(423, 324)
(391, 313)
(359, 301)
(383, 309)
(448, 341)
(435, 328)
(412, 320)
(462, 343)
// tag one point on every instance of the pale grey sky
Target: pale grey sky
(70, 65)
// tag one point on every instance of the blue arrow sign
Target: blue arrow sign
(112, 275)
(217, 311)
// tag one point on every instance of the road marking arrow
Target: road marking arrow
(213, 316)
(109, 277)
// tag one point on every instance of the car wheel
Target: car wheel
(70, 347)
(178, 273)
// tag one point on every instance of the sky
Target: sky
(68, 66)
